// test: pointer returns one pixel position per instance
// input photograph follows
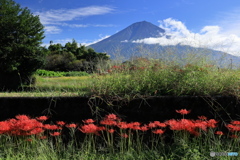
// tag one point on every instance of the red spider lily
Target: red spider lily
(60, 123)
(232, 127)
(108, 122)
(219, 133)
(111, 117)
(51, 127)
(42, 118)
(183, 124)
(152, 125)
(212, 123)
(158, 131)
(55, 134)
(156, 124)
(134, 125)
(22, 117)
(233, 136)
(88, 121)
(123, 125)
(27, 125)
(201, 124)
(36, 131)
(111, 130)
(4, 127)
(144, 128)
(71, 125)
(90, 128)
(124, 135)
(159, 124)
(183, 111)
(236, 122)
(202, 117)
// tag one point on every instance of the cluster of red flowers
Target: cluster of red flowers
(23, 125)
(192, 126)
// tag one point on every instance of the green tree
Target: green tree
(21, 34)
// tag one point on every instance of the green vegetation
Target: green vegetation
(142, 77)
(45, 73)
(20, 51)
(71, 57)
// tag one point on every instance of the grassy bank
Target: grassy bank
(143, 78)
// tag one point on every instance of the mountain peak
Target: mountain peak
(138, 30)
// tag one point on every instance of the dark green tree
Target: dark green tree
(21, 55)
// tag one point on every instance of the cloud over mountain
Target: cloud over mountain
(208, 37)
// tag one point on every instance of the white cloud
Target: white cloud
(98, 40)
(62, 15)
(83, 25)
(208, 37)
(52, 19)
(52, 30)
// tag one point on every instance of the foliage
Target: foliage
(20, 38)
(46, 73)
(73, 58)
(151, 78)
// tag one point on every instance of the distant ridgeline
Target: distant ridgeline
(121, 46)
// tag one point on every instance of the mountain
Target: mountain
(121, 42)
(121, 46)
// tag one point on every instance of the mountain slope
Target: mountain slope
(120, 46)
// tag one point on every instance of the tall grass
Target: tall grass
(151, 78)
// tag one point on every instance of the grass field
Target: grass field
(150, 79)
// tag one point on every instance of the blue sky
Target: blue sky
(205, 23)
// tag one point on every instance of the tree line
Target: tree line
(72, 57)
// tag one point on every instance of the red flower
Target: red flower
(42, 118)
(158, 131)
(60, 123)
(88, 121)
(159, 124)
(51, 127)
(111, 116)
(202, 117)
(134, 125)
(36, 131)
(144, 128)
(4, 127)
(71, 125)
(22, 117)
(212, 123)
(236, 122)
(183, 111)
(89, 128)
(111, 130)
(201, 124)
(55, 134)
(108, 122)
(123, 125)
(152, 125)
(219, 133)
(124, 135)
(233, 127)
